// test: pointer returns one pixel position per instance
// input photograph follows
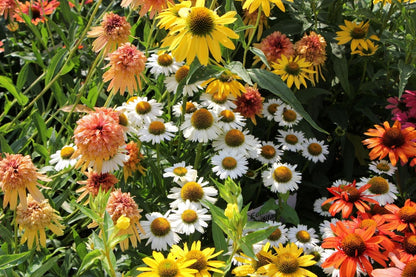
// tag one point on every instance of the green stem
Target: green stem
(72, 51)
(181, 119)
(198, 155)
(398, 183)
(16, 243)
(250, 40)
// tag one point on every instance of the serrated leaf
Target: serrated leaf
(46, 266)
(272, 82)
(88, 212)
(41, 126)
(406, 71)
(55, 65)
(341, 70)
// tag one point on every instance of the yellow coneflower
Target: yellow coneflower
(293, 70)
(203, 263)
(160, 266)
(225, 84)
(357, 33)
(198, 32)
(113, 31)
(34, 218)
(122, 204)
(370, 51)
(253, 5)
(18, 174)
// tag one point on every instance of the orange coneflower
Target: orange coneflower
(354, 247)
(250, 103)
(34, 218)
(396, 142)
(134, 162)
(36, 10)
(122, 204)
(402, 219)
(347, 197)
(98, 138)
(18, 174)
(95, 183)
(113, 31)
(126, 66)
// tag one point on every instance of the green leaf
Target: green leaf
(8, 261)
(258, 235)
(261, 55)
(88, 212)
(108, 224)
(41, 126)
(218, 216)
(269, 205)
(219, 238)
(406, 71)
(7, 83)
(341, 70)
(22, 77)
(88, 261)
(247, 248)
(55, 65)
(39, 148)
(275, 85)
(238, 68)
(255, 225)
(46, 266)
(289, 214)
(4, 146)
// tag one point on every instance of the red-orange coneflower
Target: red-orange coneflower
(396, 142)
(18, 174)
(34, 218)
(402, 219)
(406, 248)
(36, 10)
(113, 31)
(126, 66)
(95, 183)
(347, 197)
(122, 204)
(354, 247)
(250, 103)
(98, 138)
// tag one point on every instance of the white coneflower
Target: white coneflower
(190, 107)
(282, 177)
(314, 150)
(269, 153)
(230, 120)
(217, 102)
(322, 210)
(159, 232)
(382, 167)
(62, 158)
(141, 110)
(194, 191)
(303, 236)
(157, 131)
(201, 126)
(291, 140)
(238, 141)
(190, 217)
(229, 164)
(162, 63)
(181, 172)
(383, 191)
(279, 235)
(172, 82)
(340, 182)
(286, 116)
(115, 162)
(270, 109)
(325, 228)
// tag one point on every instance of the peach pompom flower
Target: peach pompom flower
(122, 204)
(95, 183)
(126, 66)
(274, 46)
(98, 138)
(18, 174)
(113, 31)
